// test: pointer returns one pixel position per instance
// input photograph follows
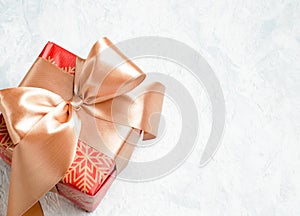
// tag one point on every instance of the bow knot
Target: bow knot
(76, 102)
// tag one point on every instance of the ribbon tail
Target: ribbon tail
(149, 104)
(35, 210)
(41, 158)
(141, 110)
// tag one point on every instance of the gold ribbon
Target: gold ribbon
(47, 115)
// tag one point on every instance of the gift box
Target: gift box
(104, 146)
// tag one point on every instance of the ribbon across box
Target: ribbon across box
(90, 134)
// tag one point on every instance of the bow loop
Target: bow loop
(40, 123)
(23, 107)
(105, 74)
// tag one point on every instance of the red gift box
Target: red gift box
(92, 172)
(103, 149)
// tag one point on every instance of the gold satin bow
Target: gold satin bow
(46, 120)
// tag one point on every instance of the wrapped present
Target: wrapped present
(71, 125)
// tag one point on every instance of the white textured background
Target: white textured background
(254, 48)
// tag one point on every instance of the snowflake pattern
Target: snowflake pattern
(89, 169)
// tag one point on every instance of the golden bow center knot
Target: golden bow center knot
(76, 102)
